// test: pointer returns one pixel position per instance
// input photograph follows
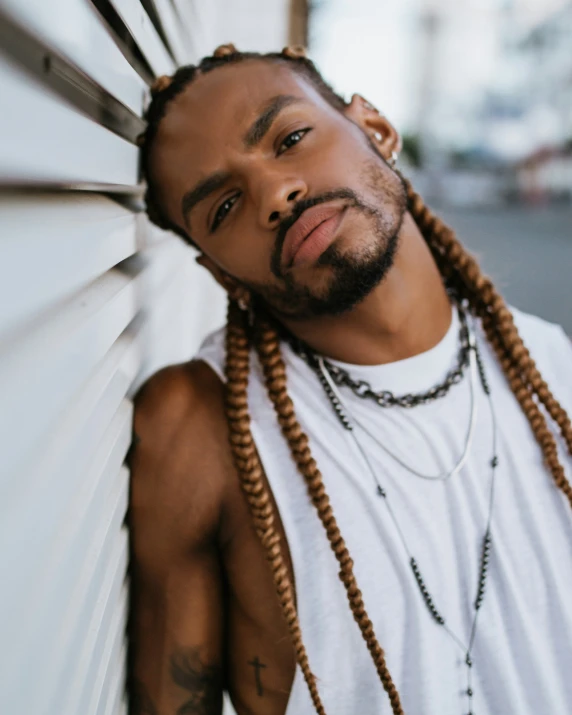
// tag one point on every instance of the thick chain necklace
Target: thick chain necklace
(348, 422)
(385, 398)
(331, 391)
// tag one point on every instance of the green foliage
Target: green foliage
(412, 149)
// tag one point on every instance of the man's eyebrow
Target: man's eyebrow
(202, 190)
(263, 122)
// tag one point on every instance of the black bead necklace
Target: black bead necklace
(345, 418)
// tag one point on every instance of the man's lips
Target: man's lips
(304, 228)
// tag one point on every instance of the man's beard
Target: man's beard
(354, 276)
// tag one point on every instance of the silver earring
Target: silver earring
(393, 160)
(246, 307)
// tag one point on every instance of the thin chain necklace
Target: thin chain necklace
(333, 395)
(345, 419)
(323, 369)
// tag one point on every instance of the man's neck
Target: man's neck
(408, 313)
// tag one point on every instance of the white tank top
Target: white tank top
(522, 652)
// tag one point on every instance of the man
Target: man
(367, 458)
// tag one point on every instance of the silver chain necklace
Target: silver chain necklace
(385, 398)
(347, 420)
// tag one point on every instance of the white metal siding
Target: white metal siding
(92, 300)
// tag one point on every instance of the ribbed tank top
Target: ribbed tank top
(523, 647)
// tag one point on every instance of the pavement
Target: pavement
(526, 251)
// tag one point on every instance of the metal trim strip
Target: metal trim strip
(65, 79)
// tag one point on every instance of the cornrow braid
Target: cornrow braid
(459, 270)
(163, 90)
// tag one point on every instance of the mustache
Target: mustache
(299, 208)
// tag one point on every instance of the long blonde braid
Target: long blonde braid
(249, 468)
(520, 370)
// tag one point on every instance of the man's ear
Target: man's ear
(379, 129)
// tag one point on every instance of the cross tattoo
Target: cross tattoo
(257, 665)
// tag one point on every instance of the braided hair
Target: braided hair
(457, 267)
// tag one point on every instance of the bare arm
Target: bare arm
(177, 610)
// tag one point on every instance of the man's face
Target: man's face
(278, 188)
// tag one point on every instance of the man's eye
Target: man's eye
(293, 138)
(222, 211)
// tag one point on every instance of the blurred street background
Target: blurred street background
(482, 95)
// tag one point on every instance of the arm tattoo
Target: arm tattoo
(203, 683)
(141, 703)
(257, 668)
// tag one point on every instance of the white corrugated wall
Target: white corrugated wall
(92, 300)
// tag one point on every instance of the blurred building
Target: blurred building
(528, 106)
(480, 87)
(545, 94)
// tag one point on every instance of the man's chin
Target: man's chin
(351, 278)
(343, 276)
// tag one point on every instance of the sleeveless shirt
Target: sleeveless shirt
(522, 653)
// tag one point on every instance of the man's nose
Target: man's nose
(278, 200)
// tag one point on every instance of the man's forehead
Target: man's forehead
(232, 95)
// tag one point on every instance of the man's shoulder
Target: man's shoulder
(180, 457)
(532, 323)
(176, 394)
(539, 332)
(550, 348)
